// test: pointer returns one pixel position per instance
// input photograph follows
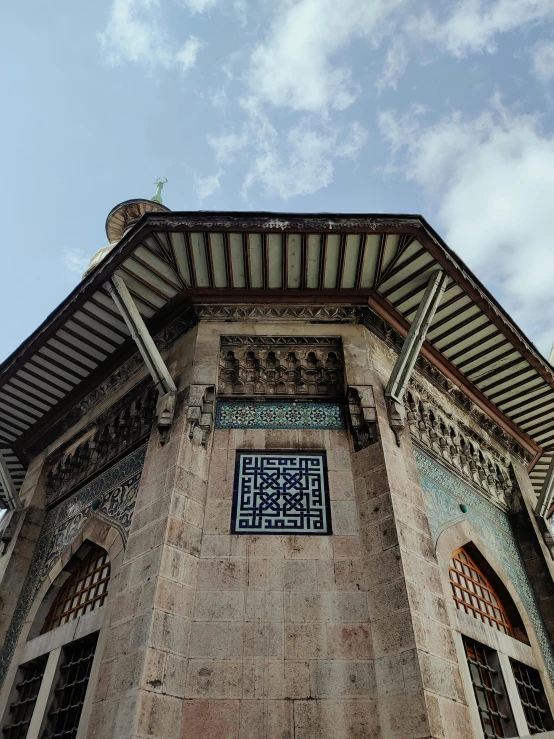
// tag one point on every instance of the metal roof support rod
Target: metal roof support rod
(409, 353)
(167, 391)
(547, 492)
(8, 485)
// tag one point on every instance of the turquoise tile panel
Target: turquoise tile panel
(443, 493)
(240, 414)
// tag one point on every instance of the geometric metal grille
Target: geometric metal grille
(490, 693)
(85, 590)
(21, 710)
(69, 695)
(533, 698)
(473, 593)
(281, 493)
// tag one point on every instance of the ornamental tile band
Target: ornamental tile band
(281, 493)
(278, 415)
(116, 490)
(443, 493)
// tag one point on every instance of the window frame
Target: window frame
(528, 707)
(478, 590)
(485, 662)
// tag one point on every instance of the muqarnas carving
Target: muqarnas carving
(115, 432)
(450, 441)
(281, 366)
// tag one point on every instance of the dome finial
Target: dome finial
(160, 182)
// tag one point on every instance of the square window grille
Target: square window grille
(533, 698)
(69, 694)
(281, 493)
(21, 710)
(490, 692)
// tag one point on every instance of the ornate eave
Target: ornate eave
(266, 262)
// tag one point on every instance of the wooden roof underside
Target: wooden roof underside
(168, 259)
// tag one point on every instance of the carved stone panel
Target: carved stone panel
(281, 366)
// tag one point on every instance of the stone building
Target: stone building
(276, 476)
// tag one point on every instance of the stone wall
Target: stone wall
(213, 634)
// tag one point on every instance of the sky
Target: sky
(443, 108)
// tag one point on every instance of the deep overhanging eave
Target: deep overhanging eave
(172, 259)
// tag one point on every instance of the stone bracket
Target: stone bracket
(363, 415)
(165, 411)
(201, 410)
(397, 417)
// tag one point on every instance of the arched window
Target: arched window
(84, 590)
(474, 594)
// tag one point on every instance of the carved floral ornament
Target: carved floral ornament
(473, 459)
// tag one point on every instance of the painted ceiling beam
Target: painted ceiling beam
(10, 492)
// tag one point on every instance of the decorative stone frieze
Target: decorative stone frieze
(381, 328)
(200, 412)
(120, 428)
(281, 365)
(457, 445)
(363, 416)
(327, 313)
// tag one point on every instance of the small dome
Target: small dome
(98, 257)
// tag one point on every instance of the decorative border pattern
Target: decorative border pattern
(236, 414)
(443, 493)
(116, 489)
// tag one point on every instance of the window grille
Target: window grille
(490, 693)
(85, 590)
(533, 698)
(473, 593)
(21, 710)
(69, 695)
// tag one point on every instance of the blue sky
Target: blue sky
(439, 108)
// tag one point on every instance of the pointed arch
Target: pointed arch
(474, 594)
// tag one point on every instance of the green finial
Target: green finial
(158, 196)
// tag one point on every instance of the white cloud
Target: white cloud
(206, 186)
(543, 61)
(227, 145)
(186, 56)
(492, 177)
(295, 65)
(473, 25)
(396, 63)
(308, 161)
(199, 6)
(135, 33)
(75, 260)
(219, 98)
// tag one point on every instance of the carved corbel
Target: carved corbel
(363, 416)
(201, 410)
(165, 411)
(397, 418)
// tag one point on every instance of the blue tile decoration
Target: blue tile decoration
(278, 414)
(116, 489)
(281, 493)
(443, 493)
